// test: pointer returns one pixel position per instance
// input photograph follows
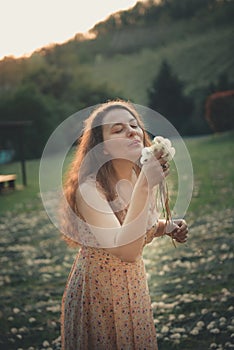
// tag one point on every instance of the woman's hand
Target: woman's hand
(180, 232)
(155, 169)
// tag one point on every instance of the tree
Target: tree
(166, 97)
(29, 104)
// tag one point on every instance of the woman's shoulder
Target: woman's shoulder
(88, 182)
(90, 187)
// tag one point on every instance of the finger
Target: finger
(158, 154)
(180, 235)
(182, 228)
(166, 172)
(181, 240)
(180, 222)
(165, 166)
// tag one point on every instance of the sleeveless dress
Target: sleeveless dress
(106, 303)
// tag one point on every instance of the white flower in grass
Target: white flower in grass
(200, 324)
(14, 330)
(222, 321)
(211, 325)
(214, 331)
(175, 336)
(181, 317)
(46, 343)
(178, 330)
(16, 310)
(165, 329)
(172, 317)
(194, 331)
(225, 291)
(213, 346)
(204, 311)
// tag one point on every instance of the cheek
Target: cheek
(115, 147)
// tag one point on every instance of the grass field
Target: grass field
(191, 286)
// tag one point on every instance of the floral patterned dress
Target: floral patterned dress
(106, 303)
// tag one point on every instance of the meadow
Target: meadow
(191, 285)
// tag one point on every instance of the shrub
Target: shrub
(219, 111)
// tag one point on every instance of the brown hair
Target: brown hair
(93, 135)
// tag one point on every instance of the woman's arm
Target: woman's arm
(126, 239)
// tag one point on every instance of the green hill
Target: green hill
(121, 60)
(127, 57)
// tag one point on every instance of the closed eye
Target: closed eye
(117, 130)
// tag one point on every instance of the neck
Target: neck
(125, 179)
(123, 169)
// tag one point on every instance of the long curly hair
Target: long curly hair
(92, 135)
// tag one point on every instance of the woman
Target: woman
(106, 303)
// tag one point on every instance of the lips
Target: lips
(135, 143)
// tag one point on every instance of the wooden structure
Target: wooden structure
(9, 180)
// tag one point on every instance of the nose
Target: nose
(131, 131)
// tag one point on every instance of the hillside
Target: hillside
(122, 60)
(127, 56)
(198, 59)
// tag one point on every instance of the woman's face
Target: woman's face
(122, 135)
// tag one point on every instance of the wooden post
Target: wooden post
(22, 160)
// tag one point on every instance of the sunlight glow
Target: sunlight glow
(27, 25)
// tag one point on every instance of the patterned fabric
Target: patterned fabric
(106, 303)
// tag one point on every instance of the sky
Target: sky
(26, 25)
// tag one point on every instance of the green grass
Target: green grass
(23, 197)
(189, 284)
(213, 172)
